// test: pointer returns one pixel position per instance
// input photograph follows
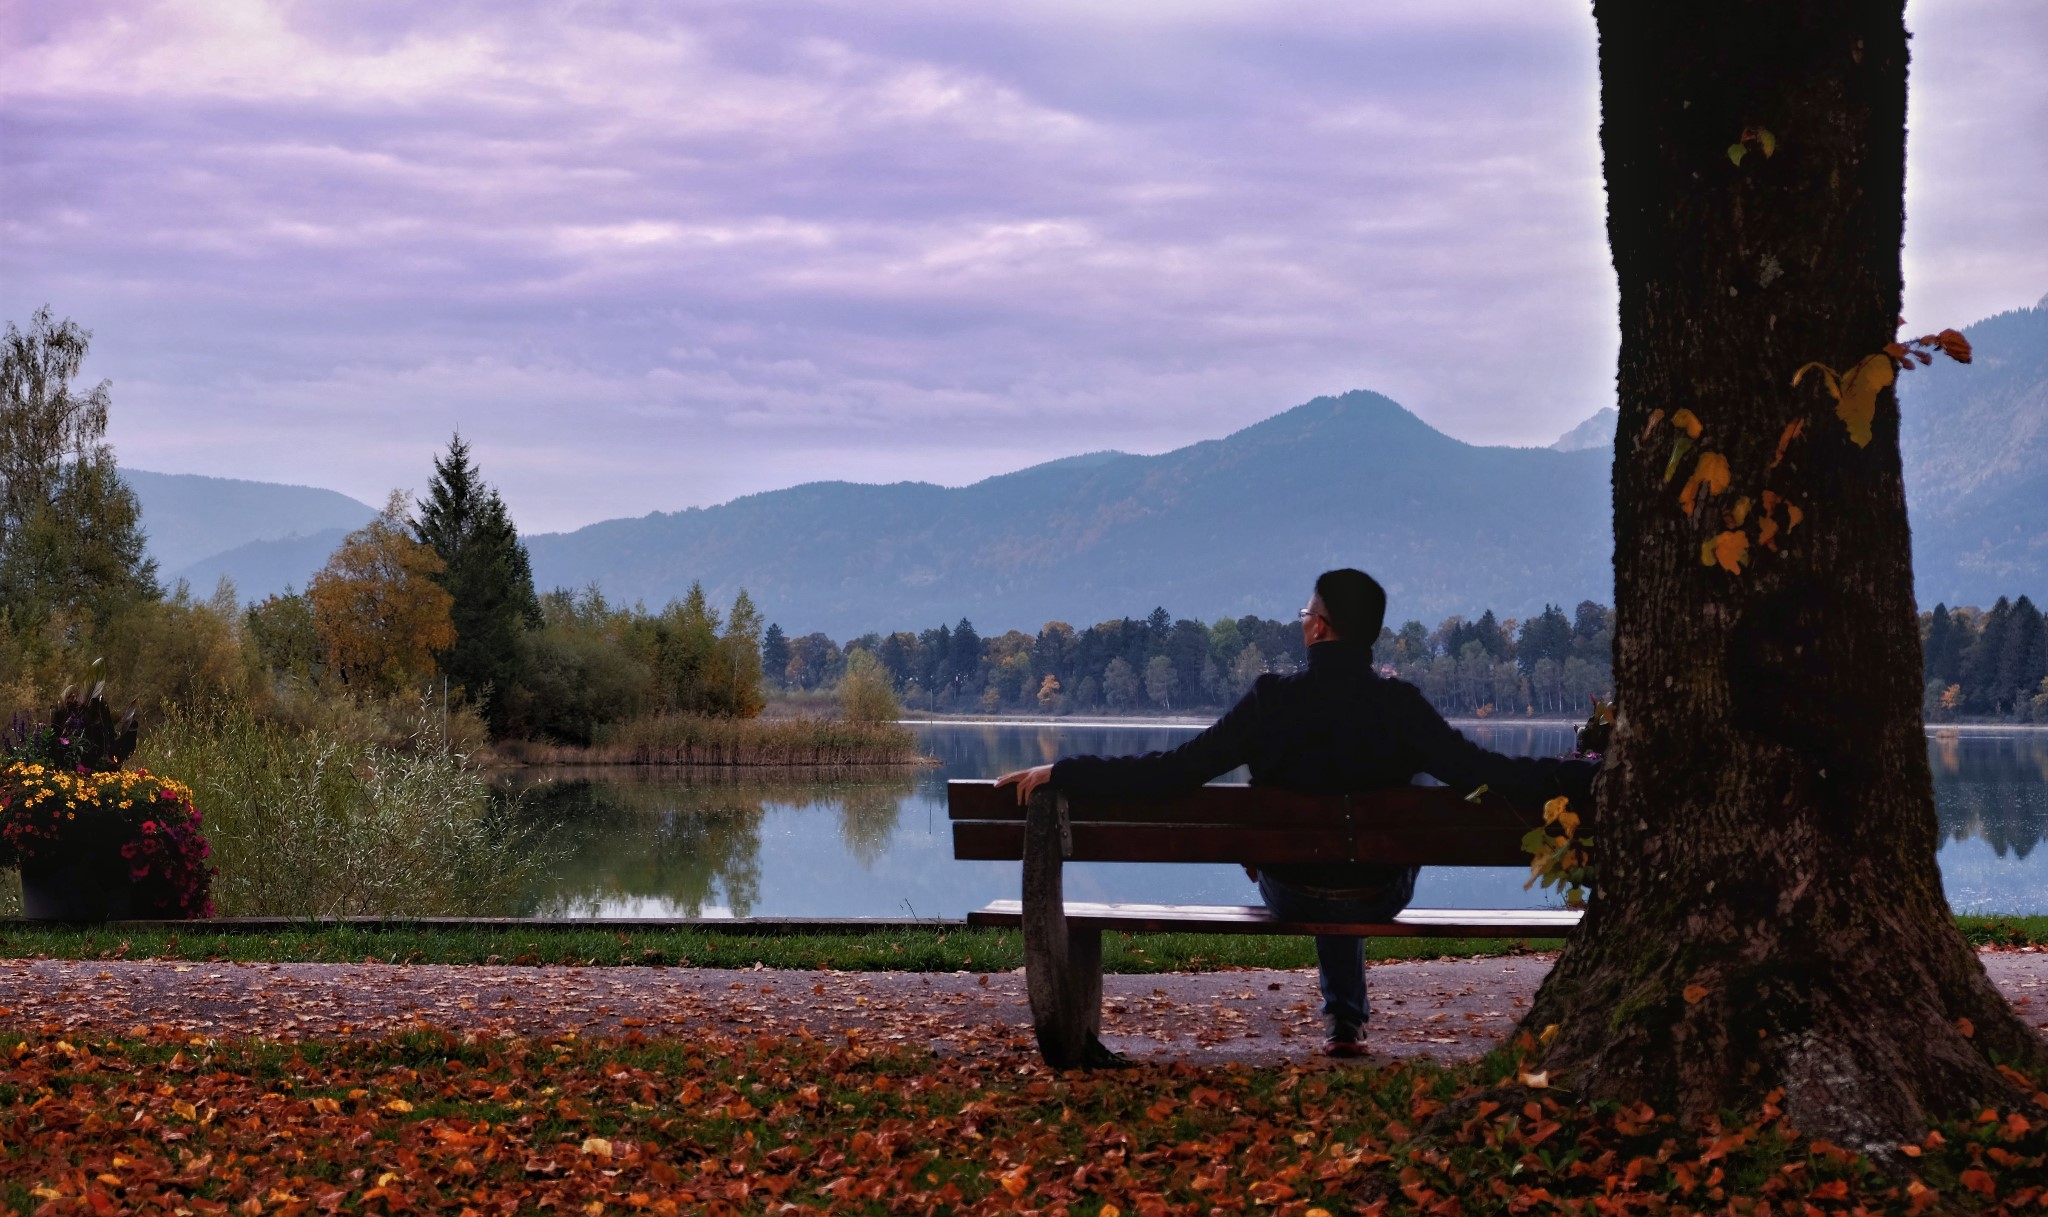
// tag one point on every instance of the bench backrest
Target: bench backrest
(1412, 825)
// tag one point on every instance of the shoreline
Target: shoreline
(1156, 722)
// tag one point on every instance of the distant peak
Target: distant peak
(1358, 407)
(1595, 432)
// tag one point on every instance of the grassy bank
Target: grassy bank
(694, 740)
(668, 1125)
(920, 950)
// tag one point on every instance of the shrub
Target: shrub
(313, 823)
(864, 692)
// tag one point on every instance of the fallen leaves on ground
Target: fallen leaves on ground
(767, 1124)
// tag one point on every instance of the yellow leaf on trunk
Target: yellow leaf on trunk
(1857, 405)
(1791, 432)
(1711, 472)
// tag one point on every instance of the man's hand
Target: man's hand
(1026, 781)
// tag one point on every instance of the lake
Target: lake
(638, 842)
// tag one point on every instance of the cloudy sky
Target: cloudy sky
(654, 255)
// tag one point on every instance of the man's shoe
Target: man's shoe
(1345, 1041)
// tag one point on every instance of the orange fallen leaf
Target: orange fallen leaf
(1967, 1027)
(1695, 994)
(1688, 422)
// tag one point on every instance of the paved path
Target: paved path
(1447, 1009)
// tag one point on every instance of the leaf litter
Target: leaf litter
(276, 1109)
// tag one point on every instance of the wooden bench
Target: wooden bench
(1413, 825)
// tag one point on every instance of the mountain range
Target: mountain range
(1227, 526)
(263, 535)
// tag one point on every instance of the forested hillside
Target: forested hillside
(1226, 527)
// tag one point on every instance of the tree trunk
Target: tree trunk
(1769, 913)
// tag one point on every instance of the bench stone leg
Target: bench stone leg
(1062, 965)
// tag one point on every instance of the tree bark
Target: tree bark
(1769, 914)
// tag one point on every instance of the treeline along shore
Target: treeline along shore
(1982, 665)
(1548, 665)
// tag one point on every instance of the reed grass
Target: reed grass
(682, 739)
(312, 823)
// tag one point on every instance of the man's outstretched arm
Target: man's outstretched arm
(1530, 781)
(1216, 751)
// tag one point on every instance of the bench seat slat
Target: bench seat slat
(1407, 845)
(1263, 806)
(1257, 919)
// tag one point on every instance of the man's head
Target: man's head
(1347, 604)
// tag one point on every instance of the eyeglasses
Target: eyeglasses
(1305, 614)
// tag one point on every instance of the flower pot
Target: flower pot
(78, 889)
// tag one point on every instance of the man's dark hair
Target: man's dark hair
(1354, 603)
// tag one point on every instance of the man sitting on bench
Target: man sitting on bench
(1336, 727)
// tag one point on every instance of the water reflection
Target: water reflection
(654, 842)
(1992, 788)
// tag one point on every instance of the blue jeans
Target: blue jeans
(1339, 960)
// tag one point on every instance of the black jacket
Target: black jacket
(1338, 727)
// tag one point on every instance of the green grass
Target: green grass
(934, 950)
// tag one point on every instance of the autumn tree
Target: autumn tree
(1769, 915)
(71, 539)
(379, 611)
(735, 673)
(865, 695)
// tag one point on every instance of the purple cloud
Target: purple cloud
(648, 257)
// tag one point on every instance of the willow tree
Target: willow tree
(1769, 913)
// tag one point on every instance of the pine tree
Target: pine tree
(774, 654)
(1980, 662)
(487, 573)
(1934, 648)
(965, 657)
(1486, 632)
(2020, 659)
